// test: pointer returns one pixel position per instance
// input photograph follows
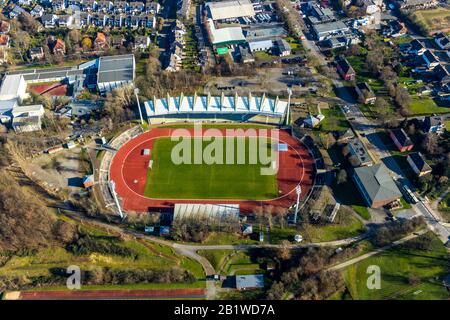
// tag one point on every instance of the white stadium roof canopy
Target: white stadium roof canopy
(215, 104)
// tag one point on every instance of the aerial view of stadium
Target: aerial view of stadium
(146, 176)
(234, 158)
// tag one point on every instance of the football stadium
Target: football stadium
(252, 164)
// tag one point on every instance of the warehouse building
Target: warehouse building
(216, 108)
(325, 30)
(115, 71)
(226, 10)
(225, 36)
(376, 185)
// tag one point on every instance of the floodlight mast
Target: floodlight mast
(112, 187)
(136, 92)
(289, 90)
(298, 190)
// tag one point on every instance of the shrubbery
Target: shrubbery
(87, 244)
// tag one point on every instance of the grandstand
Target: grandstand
(217, 108)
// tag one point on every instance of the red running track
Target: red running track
(129, 171)
(113, 294)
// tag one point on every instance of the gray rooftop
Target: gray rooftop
(330, 27)
(250, 281)
(116, 68)
(377, 182)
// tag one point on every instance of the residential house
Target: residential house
(77, 3)
(99, 19)
(395, 28)
(376, 185)
(16, 11)
(283, 48)
(57, 46)
(49, 20)
(433, 124)
(430, 59)
(4, 41)
(442, 40)
(136, 7)
(120, 7)
(104, 6)
(65, 20)
(117, 41)
(24, 2)
(116, 21)
(100, 40)
(401, 140)
(365, 93)
(37, 11)
(5, 27)
(134, 22)
(147, 21)
(152, 7)
(89, 5)
(141, 42)
(58, 5)
(344, 68)
(418, 164)
(36, 53)
(441, 71)
(417, 47)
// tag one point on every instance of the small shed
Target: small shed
(88, 181)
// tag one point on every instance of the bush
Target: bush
(88, 244)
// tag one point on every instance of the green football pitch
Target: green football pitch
(167, 180)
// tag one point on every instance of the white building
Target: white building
(13, 87)
(225, 10)
(218, 108)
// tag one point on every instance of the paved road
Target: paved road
(378, 150)
(377, 251)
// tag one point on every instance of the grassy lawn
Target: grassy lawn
(425, 105)
(203, 181)
(433, 19)
(334, 120)
(227, 238)
(344, 226)
(215, 257)
(397, 265)
(240, 263)
(447, 125)
(347, 194)
(262, 56)
(363, 211)
(145, 255)
(444, 208)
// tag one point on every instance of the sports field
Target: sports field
(167, 180)
(167, 184)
